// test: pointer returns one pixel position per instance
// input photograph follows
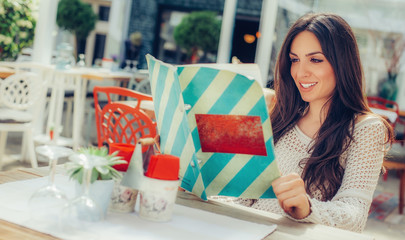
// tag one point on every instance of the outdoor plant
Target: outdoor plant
(100, 160)
(76, 17)
(198, 31)
(17, 27)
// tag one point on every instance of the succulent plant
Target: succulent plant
(98, 159)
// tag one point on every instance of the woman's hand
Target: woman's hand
(291, 194)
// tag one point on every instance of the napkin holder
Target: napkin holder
(134, 176)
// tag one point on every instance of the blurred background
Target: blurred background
(249, 30)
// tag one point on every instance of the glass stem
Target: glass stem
(87, 180)
(52, 166)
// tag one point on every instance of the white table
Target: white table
(286, 228)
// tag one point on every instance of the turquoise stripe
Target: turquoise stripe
(270, 149)
(196, 139)
(179, 70)
(204, 196)
(160, 84)
(169, 112)
(151, 66)
(232, 95)
(257, 110)
(214, 166)
(246, 176)
(191, 175)
(181, 138)
(198, 85)
(269, 193)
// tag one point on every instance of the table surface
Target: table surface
(103, 75)
(286, 228)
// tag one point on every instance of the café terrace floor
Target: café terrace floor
(392, 228)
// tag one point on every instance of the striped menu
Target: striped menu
(217, 122)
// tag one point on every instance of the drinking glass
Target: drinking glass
(81, 62)
(46, 203)
(134, 64)
(127, 65)
(83, 209)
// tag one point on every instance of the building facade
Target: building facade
(156, 20)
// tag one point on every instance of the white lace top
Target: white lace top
(362, 162)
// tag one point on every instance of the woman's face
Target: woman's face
(311, 71)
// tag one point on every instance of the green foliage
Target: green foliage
(76, 17)
(101, 161)
(198, 30)
(17, 27)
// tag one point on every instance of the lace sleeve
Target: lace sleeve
(349, 207)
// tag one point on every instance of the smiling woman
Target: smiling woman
(329, 146)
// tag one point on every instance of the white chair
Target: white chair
(143, 86)
(20, 99)
(140, 82)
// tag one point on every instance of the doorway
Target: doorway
(245, 39)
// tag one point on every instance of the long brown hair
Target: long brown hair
(322, 169)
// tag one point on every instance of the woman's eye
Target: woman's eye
(316, 60)
(293, 60)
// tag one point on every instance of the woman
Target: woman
(329, 146)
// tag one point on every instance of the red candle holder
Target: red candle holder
(163, 166)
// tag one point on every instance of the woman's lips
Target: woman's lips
(307, 86)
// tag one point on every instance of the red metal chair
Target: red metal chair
(386, 105)
(119, 121)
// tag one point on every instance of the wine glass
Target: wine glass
(83, 209)
(46, 203)
(81, 62)
(127, 65)
(134, 64)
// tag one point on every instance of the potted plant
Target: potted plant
(102, 164)
(76, 17)
(198, 31)
(103, 175)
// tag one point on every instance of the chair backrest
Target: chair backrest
(140, 82)
(385, 105)
(120, 119)
(21, 91)
(44, 72)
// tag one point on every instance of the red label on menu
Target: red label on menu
(231, 134)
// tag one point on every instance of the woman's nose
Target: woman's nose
(300, 70)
